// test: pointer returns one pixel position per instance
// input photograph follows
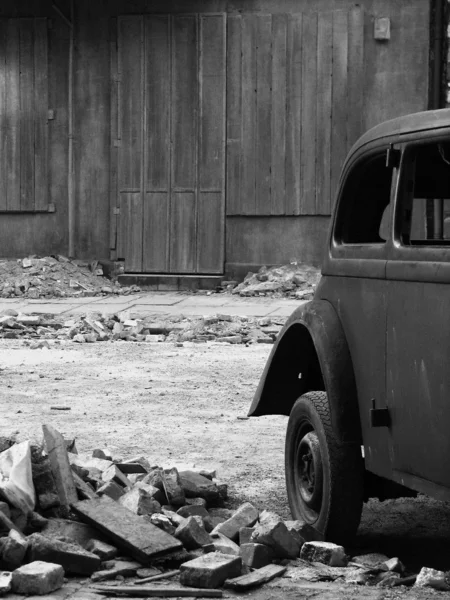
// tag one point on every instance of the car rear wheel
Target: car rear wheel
(324, 478)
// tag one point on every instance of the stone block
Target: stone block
(395, 565)
(113, 473)
(14, 549)
(162, 522)
(245, 535)
(5, 582)
(72, 557)
(326, 553)
(432, 578)
(192, 535)
(256, 556)
(172, 487)
(210, 570)
(139, 502)
(225, 545)
(111, 489)
(37, 578)
(151, 491)
(197, 510)
(101, 549)
(245, 516)
(272, 532)
(197, 486)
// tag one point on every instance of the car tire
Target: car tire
(324, 478)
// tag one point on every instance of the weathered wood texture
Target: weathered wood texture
(290, 123)
(140, 539)
(171, 141)
(23, 115)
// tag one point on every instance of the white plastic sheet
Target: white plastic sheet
(16, 481)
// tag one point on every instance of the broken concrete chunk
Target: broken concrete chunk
(373, 560)
(151, 491)
(111, 489)
(196, 486)
(225, 545)
(324, 552)
(14, 550)
(191, 534)
(173, 516)
(37, 578)
(101, 549)
(395, 565)
(273, 532)
(210, 570)
(60, 466)
(245, 516)
(245, 535)
(163, 523)
(172, 487)
(257, 577)
(5, 582)
(72, 557)
(119, 567)
(140, 502)
(113, 473)
(76, 532)
(256, 556)
(432, 578)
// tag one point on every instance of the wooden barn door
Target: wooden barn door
(170, 146)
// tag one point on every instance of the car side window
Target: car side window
(423, 218)
(364, 209)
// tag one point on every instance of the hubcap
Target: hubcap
(310, 472)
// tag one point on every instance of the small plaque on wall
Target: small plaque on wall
(382, 28)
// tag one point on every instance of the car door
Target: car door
(418, 319)
(354, 281)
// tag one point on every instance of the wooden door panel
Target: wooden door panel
(210, 238)
(182, 242)
(129, 239)
(41, 197)
(278, 102)
(12, 116)
(156, 232)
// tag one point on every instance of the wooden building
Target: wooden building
(195, 137)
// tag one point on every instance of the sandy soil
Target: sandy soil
(188, 405)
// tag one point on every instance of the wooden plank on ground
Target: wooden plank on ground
(309, 115)
(339, 96)
(26, 114)
(182, 246)
(257, 577)
(293, 114)
(248, 168)
(155, 254)
(142, 540)
(3, 117)
(210, 237)
(41, 199)
(324, 90)
(13, 114)
(60, 466)
(263, 136)
(234, 114)
(279, 64)
(157, 592)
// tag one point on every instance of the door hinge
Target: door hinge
(50, 114)
(393, 157)
(379, 417)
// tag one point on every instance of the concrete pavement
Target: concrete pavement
(157, 303)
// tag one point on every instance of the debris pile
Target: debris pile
(295, 280)
(97, 516)
(55, 277)
(124, 326)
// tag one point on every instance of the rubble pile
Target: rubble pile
(132, 523)
(124, 326)
(295, 280)
(55, 277)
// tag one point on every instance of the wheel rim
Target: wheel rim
(309, 474)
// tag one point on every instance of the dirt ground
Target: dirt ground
(188, 405)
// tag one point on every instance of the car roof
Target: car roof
(421, 121)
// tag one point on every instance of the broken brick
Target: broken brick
(324, 552)
(140, 502)
(210, 570)
(272, 532)
(37, 578)
(191, 534)
(111, 489)
(256, 556)
(196, 486)
(245, 516)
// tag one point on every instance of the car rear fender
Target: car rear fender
(311, 353)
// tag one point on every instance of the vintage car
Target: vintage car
(362, 370)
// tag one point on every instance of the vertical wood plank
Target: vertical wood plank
(248, 135)
(3, 117)
(263, 139)
(157, 83)
(184, 102)
(309, 115)
(156, 232)
(234, 114)
(26, 114)
(114, 128)
(356, 84)
(279, 74)
(340, 98)
(182, 255)
(293, 114)
(130, 155)
(210, 241)
(324, 91)
(129, 242)
(212, 105)
(41, 199)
